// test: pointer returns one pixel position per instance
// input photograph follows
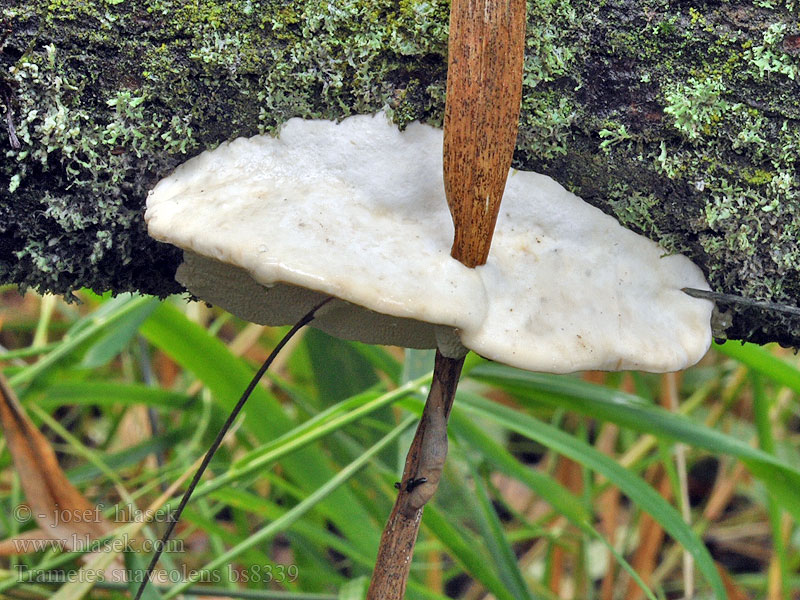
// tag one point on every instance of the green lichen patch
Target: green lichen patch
(108, 97)
(685, 126)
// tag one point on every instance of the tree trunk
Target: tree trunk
(681, 119)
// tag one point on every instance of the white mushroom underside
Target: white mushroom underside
(356, 210)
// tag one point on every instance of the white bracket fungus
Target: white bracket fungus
(356, 210)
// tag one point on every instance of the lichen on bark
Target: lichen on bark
(682, 120)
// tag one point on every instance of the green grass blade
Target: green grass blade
(494, 537)
(116, 337)
(465, 551)
(134, 563)
(265, 508)
(632, 412)
(354, 590)
(380, 359)
(766, 440)
(339, 370)
(334, 418)
(132, 455)
(559, 497)
(639, 492)
(100, 393)
(88, 327)
(227, 376)
(761, 360)
(286, 520)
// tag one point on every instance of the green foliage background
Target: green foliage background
(307, 478)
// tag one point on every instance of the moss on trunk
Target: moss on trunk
(681, 119)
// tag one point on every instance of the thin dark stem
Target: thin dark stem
(173, 521)
(732, 299)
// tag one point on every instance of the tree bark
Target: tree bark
(681, 119)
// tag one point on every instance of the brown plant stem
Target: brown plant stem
(425, 459)
(486, 50)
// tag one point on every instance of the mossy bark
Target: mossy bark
(681, 119)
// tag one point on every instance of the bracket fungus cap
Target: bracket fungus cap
(356, 210)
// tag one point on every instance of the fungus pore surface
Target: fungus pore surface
(356, 210)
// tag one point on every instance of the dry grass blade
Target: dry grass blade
(651, 536)
(609, 505)
(108, 562)
(26, 542)
(734, 592)
(63, 514)
(568, 473)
